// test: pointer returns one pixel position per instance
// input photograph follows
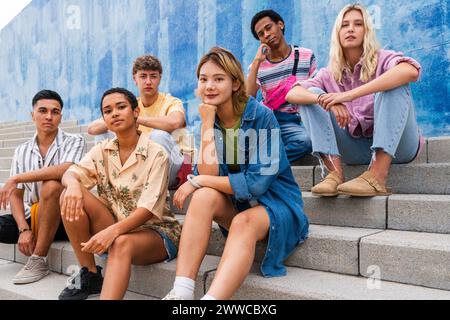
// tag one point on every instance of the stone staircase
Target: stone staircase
(395, 247)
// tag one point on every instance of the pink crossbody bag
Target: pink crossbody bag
(276, 97)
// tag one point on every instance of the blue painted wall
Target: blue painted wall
(82, 47)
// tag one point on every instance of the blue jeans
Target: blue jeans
(164, 139)
(395, 130)
(294, 135)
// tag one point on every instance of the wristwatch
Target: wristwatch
(23, 230)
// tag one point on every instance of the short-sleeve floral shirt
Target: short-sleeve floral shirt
(141, 182)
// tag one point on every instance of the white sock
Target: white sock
(208, 297)
(36, 256)
(184, 287)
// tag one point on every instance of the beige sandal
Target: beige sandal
(364, 186)
(328, 187)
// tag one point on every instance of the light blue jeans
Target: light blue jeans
(164, 139)
(294, 135)
(395, 130)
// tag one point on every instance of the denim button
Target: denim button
(273, 228)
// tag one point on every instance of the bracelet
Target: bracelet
(320, 96)
(194, 183)
(24, 230)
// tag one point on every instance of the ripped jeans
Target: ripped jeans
(395, 130)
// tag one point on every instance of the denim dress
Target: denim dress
(265, 179)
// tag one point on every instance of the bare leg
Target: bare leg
(206, 204)
(334, 166)
(49, 216)
(139, 248)
(246, 230)
(380, 167)
(96, 218)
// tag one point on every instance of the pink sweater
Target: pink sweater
(360, 109)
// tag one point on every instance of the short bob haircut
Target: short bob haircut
(228, 62)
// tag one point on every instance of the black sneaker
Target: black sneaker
(82, 285)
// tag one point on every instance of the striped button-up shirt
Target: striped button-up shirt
(67, 148)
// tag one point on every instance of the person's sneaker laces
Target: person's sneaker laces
(35, 269)
(83, 285)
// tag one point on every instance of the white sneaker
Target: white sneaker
(35, 269)
(173, 296)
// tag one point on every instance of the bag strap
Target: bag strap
(297, 59)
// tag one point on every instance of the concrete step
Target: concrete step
(421, 213)
(156, 280)
(153, 280)
(436, 150)
(7, 152)
(29, 134)
(301, 284)
(6, 123)
(405, 178)
(334, 249)
(5, 163)
(46, 289)
(12, 124)
(4, 175)
(30, 126)
(408, 212)
(346, 211)
(439, 149)
(408, 257)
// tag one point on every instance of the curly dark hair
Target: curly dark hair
(274, 16)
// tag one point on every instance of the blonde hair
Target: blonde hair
(337, 63)
(228, 62)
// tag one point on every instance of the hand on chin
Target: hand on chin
(209, 101)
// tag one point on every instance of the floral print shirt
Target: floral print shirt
(141, 182)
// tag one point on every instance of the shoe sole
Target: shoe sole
(362, 195)
(30, 279)
(327, 195)
(89, 297)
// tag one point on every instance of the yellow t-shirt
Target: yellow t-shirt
(164, 106)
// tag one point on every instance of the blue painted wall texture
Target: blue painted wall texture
(82, 47)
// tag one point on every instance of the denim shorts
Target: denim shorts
(171, 249)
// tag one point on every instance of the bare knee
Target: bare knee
(207, 198)
(121, 247)
(51, 190)
(242, 225)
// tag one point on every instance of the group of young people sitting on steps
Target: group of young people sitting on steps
(357, 110)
